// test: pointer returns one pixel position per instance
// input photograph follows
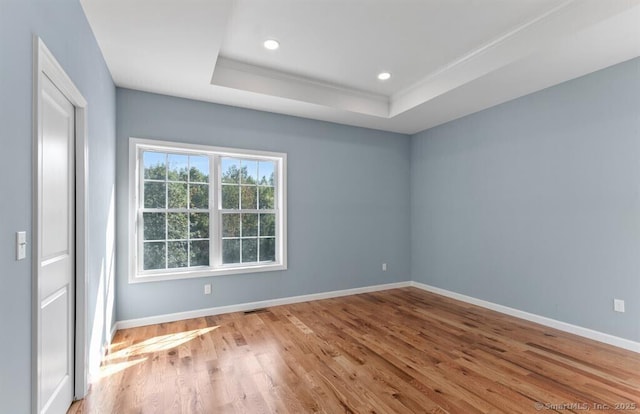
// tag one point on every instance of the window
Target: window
(202, 211)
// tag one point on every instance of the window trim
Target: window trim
(137, 145)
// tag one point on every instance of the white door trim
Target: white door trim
(46, 64)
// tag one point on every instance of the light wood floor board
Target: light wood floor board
(396, 351)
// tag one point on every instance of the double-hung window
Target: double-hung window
(200, 211)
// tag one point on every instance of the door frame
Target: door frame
(45, 64)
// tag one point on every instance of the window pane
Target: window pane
(249, 250)
(154, 195)
(199, 253)
(176, 185)
(267, 224)
(230, 170)
(199, 171)
(199, 225)
(154, 165)
(177, 254)
(266, 197)
(199, 196)
(154, 255)
(249, 225)
(267, 250)
(230, 198)
(177, 167)
(231, 251)
(177, 226)
(266, 172)
(154, 226)
(249, 197)
(249, 172)
(231, 225)
(177, 195)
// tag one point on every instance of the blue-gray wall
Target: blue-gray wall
(64, 28)
(535, 203)
(348, 202)
(532, 204)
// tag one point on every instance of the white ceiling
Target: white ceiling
(448, 58)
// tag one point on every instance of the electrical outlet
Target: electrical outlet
(207, 289)
(618, 305)
(384, 267)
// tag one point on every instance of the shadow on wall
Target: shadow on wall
(102, 320)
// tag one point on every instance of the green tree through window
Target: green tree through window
(176, 210)
(202, 212)
(248, 216)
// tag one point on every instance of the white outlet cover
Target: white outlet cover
(207, 289)
(618, 305)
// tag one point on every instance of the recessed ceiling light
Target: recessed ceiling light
(384, 75)
(271, 44)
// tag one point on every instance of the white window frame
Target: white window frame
(215, 268)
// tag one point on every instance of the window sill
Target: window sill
(224, 271)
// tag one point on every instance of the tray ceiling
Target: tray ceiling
(446, 58)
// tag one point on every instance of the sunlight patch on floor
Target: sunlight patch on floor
(159, 343)
(115, 367)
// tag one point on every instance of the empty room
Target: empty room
(320, 206)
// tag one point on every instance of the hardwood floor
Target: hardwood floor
(396, 351)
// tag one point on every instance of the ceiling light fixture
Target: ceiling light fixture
(384, 76)
(271, 44)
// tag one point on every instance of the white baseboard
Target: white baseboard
(542, 320)
(94, 371)
(114, 329)
(242, 307)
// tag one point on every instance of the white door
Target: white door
(56, 247)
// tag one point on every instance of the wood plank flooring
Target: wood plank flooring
(396, 351)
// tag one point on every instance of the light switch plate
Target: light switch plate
(21, 245)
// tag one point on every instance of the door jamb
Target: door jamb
(45, 63)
